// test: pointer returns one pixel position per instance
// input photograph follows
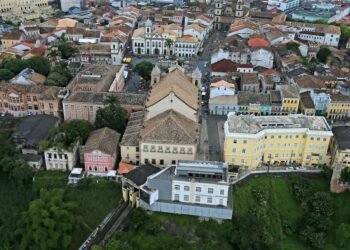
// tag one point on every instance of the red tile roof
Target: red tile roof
(125, 168)
(223, 65)
(258, 41)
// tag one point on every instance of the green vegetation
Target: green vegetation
(345, 174)
(6, 74)
(48, 222)
(293, 46)
(67, 135)
(57, 73)
(38, 64)
(144, 69)
(22, 196)
(112, 115)
(66, 50)
(323, 54)
(345, 31)
(269, 213)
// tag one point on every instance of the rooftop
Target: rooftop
(170, 127)
(103, 139)
(95, 77)
(306, 100)
(177, 82)
(139, 175)
(246, 98)
(249, 78)
(98, 98)
(254, 124)
(309, 82)
(33, 129)
(342, 136)
(132, 133)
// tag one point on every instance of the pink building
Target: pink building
(101, 151)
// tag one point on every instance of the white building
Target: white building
(67, 4)
(221, 88)
(318, 33)
(61, 159)
(155, 39)
(186, 46)
(261, 57)
(199, 188)
(283, 5)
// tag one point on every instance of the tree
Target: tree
(323, 54)
(112, 115)
(345, 31)
(6, 74)
(54, 54)
(14, 65)
(66, 50)
(343, 236)
(74, 130)
(169, 43)
(144, 69)
(48, 223)
(293, 46)
(345, 174)
(57, 79)
(59, 75)
(39, 65)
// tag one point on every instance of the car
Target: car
(290, 168)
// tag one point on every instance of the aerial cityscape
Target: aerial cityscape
(174, 124)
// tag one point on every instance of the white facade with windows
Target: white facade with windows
(200, 193)
(199, 188)
(61, 159)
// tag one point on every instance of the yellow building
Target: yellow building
(290, 99)
(307, 106)
(19, 10)
(253, 140)
(339, 107)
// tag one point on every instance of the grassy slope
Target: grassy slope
(282, 209)
(95, 202)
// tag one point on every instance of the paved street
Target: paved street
(215, 142)
(212, 137)
(190, 64)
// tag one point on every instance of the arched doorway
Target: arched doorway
(138, 51)
(156, 51)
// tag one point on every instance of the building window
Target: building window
(177, 187)
(198, 198)
(198, 189)
(161, 162)
(210, 190)
(177, 197)
(222, 192)
(153, 161)
(221, 202)
(187, 188)
(209, 200)
(234, 141)
(243, 151)
(146, 161)
(245, 142)
(234, 150)
(186, 198)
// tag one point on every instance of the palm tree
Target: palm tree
(169, 43)
(54, 54)
(111, 101)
